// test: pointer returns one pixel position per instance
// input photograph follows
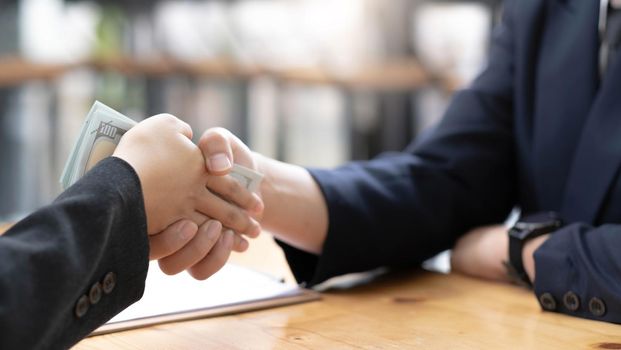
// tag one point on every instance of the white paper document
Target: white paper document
(233, 289)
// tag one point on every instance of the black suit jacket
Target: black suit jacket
(538, 129)
(93, 237)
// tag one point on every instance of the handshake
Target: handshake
(200, 200)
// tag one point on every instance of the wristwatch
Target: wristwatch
(527, 228)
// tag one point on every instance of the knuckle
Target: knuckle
(233, 217)
(222, 132)
(214, 134)
(212, 144)
(202, 142)
(211, 240)
(197, 251)
(233, 188)
(167, 118)
(249, 202)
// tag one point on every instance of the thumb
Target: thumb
(216, 147)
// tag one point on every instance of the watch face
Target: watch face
(535, 225)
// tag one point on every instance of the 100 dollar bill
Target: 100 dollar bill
(102, 132)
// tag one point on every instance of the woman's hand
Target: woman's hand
(170, 167)
(202, 250)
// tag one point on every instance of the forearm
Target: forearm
(483, 252)
(54, 257)
(295, 208)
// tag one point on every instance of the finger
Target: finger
(198, 218)
(229, 215)
(233, 191)
(240, 244)
(207, 236)
(171, 239)
(182, 127)
(185, 129)
(216, 258)
(215, 144)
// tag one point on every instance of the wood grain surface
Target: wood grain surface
(406, 310)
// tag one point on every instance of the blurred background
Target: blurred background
(312, 82)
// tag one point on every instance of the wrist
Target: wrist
(263, 166)
(260, 165)
(528, 255)
(295, 209)
(528, 232)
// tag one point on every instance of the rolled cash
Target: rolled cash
(99, 136)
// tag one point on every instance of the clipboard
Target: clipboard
(231, 290)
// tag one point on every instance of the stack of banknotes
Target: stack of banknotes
(102, 132)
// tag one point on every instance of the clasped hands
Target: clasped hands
(196, 215)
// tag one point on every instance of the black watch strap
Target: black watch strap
(524, 230)
(515, 266)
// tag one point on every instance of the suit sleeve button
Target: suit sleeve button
(94, 295)
(571, 301)
(597, 307)
(547, 301)
(81, 307)
(109, 282)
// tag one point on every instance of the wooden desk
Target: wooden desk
(418, 309)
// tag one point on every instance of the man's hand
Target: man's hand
(481, 253)
(237, 208)
(291, 205)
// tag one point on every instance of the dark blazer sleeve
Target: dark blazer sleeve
(577, 272)
(400, 209)
(52, 264)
